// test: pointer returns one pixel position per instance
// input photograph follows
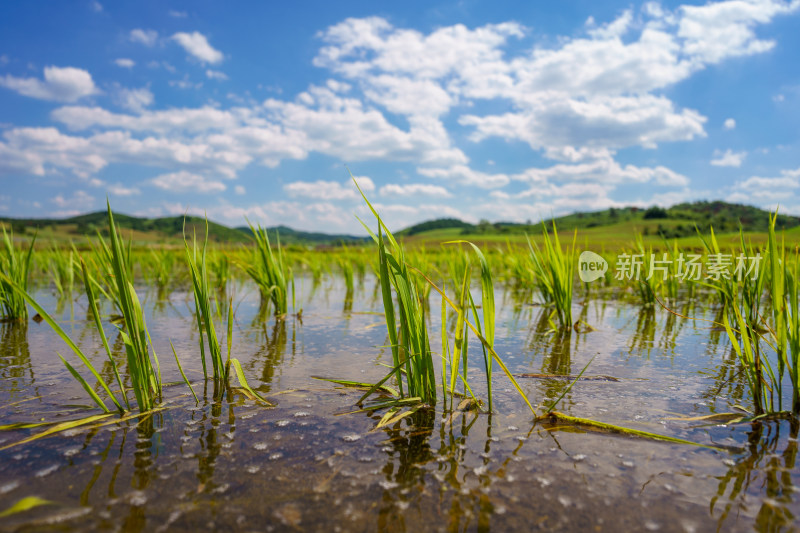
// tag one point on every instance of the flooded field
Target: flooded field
(310, 464)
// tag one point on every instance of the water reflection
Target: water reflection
(765, 477)
(16, 370)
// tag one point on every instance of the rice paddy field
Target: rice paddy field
(440, 388)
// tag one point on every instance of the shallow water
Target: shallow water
(307, 465)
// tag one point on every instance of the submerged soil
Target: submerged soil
(308, 465)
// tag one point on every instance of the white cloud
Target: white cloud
(767, 192)
(414, 189)
(720, 30)
(605, 171)
(729, 124)
(125, 62)
(134, 99)
(177, 14)
(238, 189)
(466, 176)
(216, 75)
(60, 84)
(79, 201)
(328, 190)
(728, 159)
(183, 181)
(118, 189)
(145, 37)
(197, 45)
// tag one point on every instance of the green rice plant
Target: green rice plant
(198, 267)
(162, 268)
(784, 289)
(143, 368)
(555, 271)
(61, 269)
(346, 266)
(487, 328)
(648, 282)
(196, 259)
(270, 272)
(16, 265)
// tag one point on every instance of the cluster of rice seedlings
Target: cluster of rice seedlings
(16, 265)
(785, 286)
(649, 281)
(270, 271)
(220, 267)
(220, 367)
(162, 270)
(62, 271)
(143, 368)
(554, 269)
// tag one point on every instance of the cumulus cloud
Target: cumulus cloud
(328, 190)
(216, 75)
(196, 44)
(729, 124)
(60, 84)
(414, 189)
(145, 37)
(465, 175)
(183, 181)
(134, 99)
(125, 62)
(729, 158)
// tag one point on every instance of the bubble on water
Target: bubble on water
(522, 438)
(543, 481)
(8, 487)
(480, 470)
(301, 414)
(275, 456)
(260, 446)
(221, 489)
(388, 485)
(71, 451)
(512, 428)
(253, 469)
(689, 527)
(351, 438)
(137, 498)
(230, 435)
(500, 509)
(365, 459)
(255, 430)
(578, 458)
(47, 471)
(563, 500)
(282, 423)
(486, 455)
(728, 462)
(649, 525)
(628, 464)
(402, 505)
(387, 449)
(186, 438)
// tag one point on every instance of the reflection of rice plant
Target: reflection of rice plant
(16, 265)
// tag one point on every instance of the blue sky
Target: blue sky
(496, 110)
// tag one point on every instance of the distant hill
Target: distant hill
(291, 236)
(676, 221)
(164, 229)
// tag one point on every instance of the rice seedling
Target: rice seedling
(785, 286)
(220, 368)
(16, 265)
(61, 269)
(270, 271)
(555, 270)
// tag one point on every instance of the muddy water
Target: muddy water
(306, 465)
